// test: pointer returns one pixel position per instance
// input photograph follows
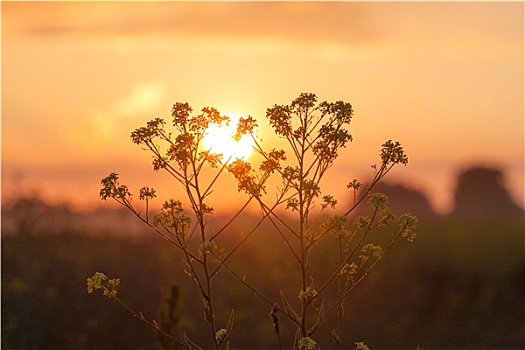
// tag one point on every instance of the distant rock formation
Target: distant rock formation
(402, 200)
(31, 216)
(480, 193)
(34, 217)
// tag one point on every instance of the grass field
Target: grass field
(460, 285)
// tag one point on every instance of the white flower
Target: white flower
(221, 333)
(307, 343)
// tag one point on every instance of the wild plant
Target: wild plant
(301, 215)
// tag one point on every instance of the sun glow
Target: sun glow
(220, 139)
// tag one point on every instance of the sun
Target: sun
(220, 139)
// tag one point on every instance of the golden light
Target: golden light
(220, 139)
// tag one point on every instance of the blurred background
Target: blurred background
(444, 79)
(461, 284)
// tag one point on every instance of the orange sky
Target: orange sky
(445, 79)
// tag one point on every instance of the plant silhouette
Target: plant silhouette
(303, 218)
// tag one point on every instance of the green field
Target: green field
(460, 285)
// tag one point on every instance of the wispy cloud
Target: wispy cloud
(119, 117)
(292, 21)
(330, 29)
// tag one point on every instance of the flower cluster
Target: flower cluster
(355, 184)
(209, 115)
(146, 193)
(207, 247)
(336, 225)
(331, 138)
(245, 126)
(272, 161)
(184, 145)
(172, 217)
(341, 110)
(246, 180)
(310, 190)
(180, 114)
(280, 119)
(392, 153)
(221, 334)
(113, 189)
(213, 159)
(371, 249)
(147, 133)
(361, 346)
(308, 294)
(407, 224)
(292, 203)
(348, 269)
(378, 201)
(302, 104)
(181, 150)
(306, 343)
(291, 174)
(327, 138)
(97, 282)
(362, 222)
(329, 201)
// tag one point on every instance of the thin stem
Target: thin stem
(222, 261)
(303, 209)
(377, 177)
(256, 292)
(143, 319)
(347, 259)
(233, 218)
(281, 233)
(162, 234)
(339, 291)
(213, 181)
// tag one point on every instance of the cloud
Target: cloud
(306, 22)
(143, 98)
(120, 117)
(335, 31)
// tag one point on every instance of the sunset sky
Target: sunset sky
(445, 79)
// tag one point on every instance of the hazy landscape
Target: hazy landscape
(459, 285)
(436, 88)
